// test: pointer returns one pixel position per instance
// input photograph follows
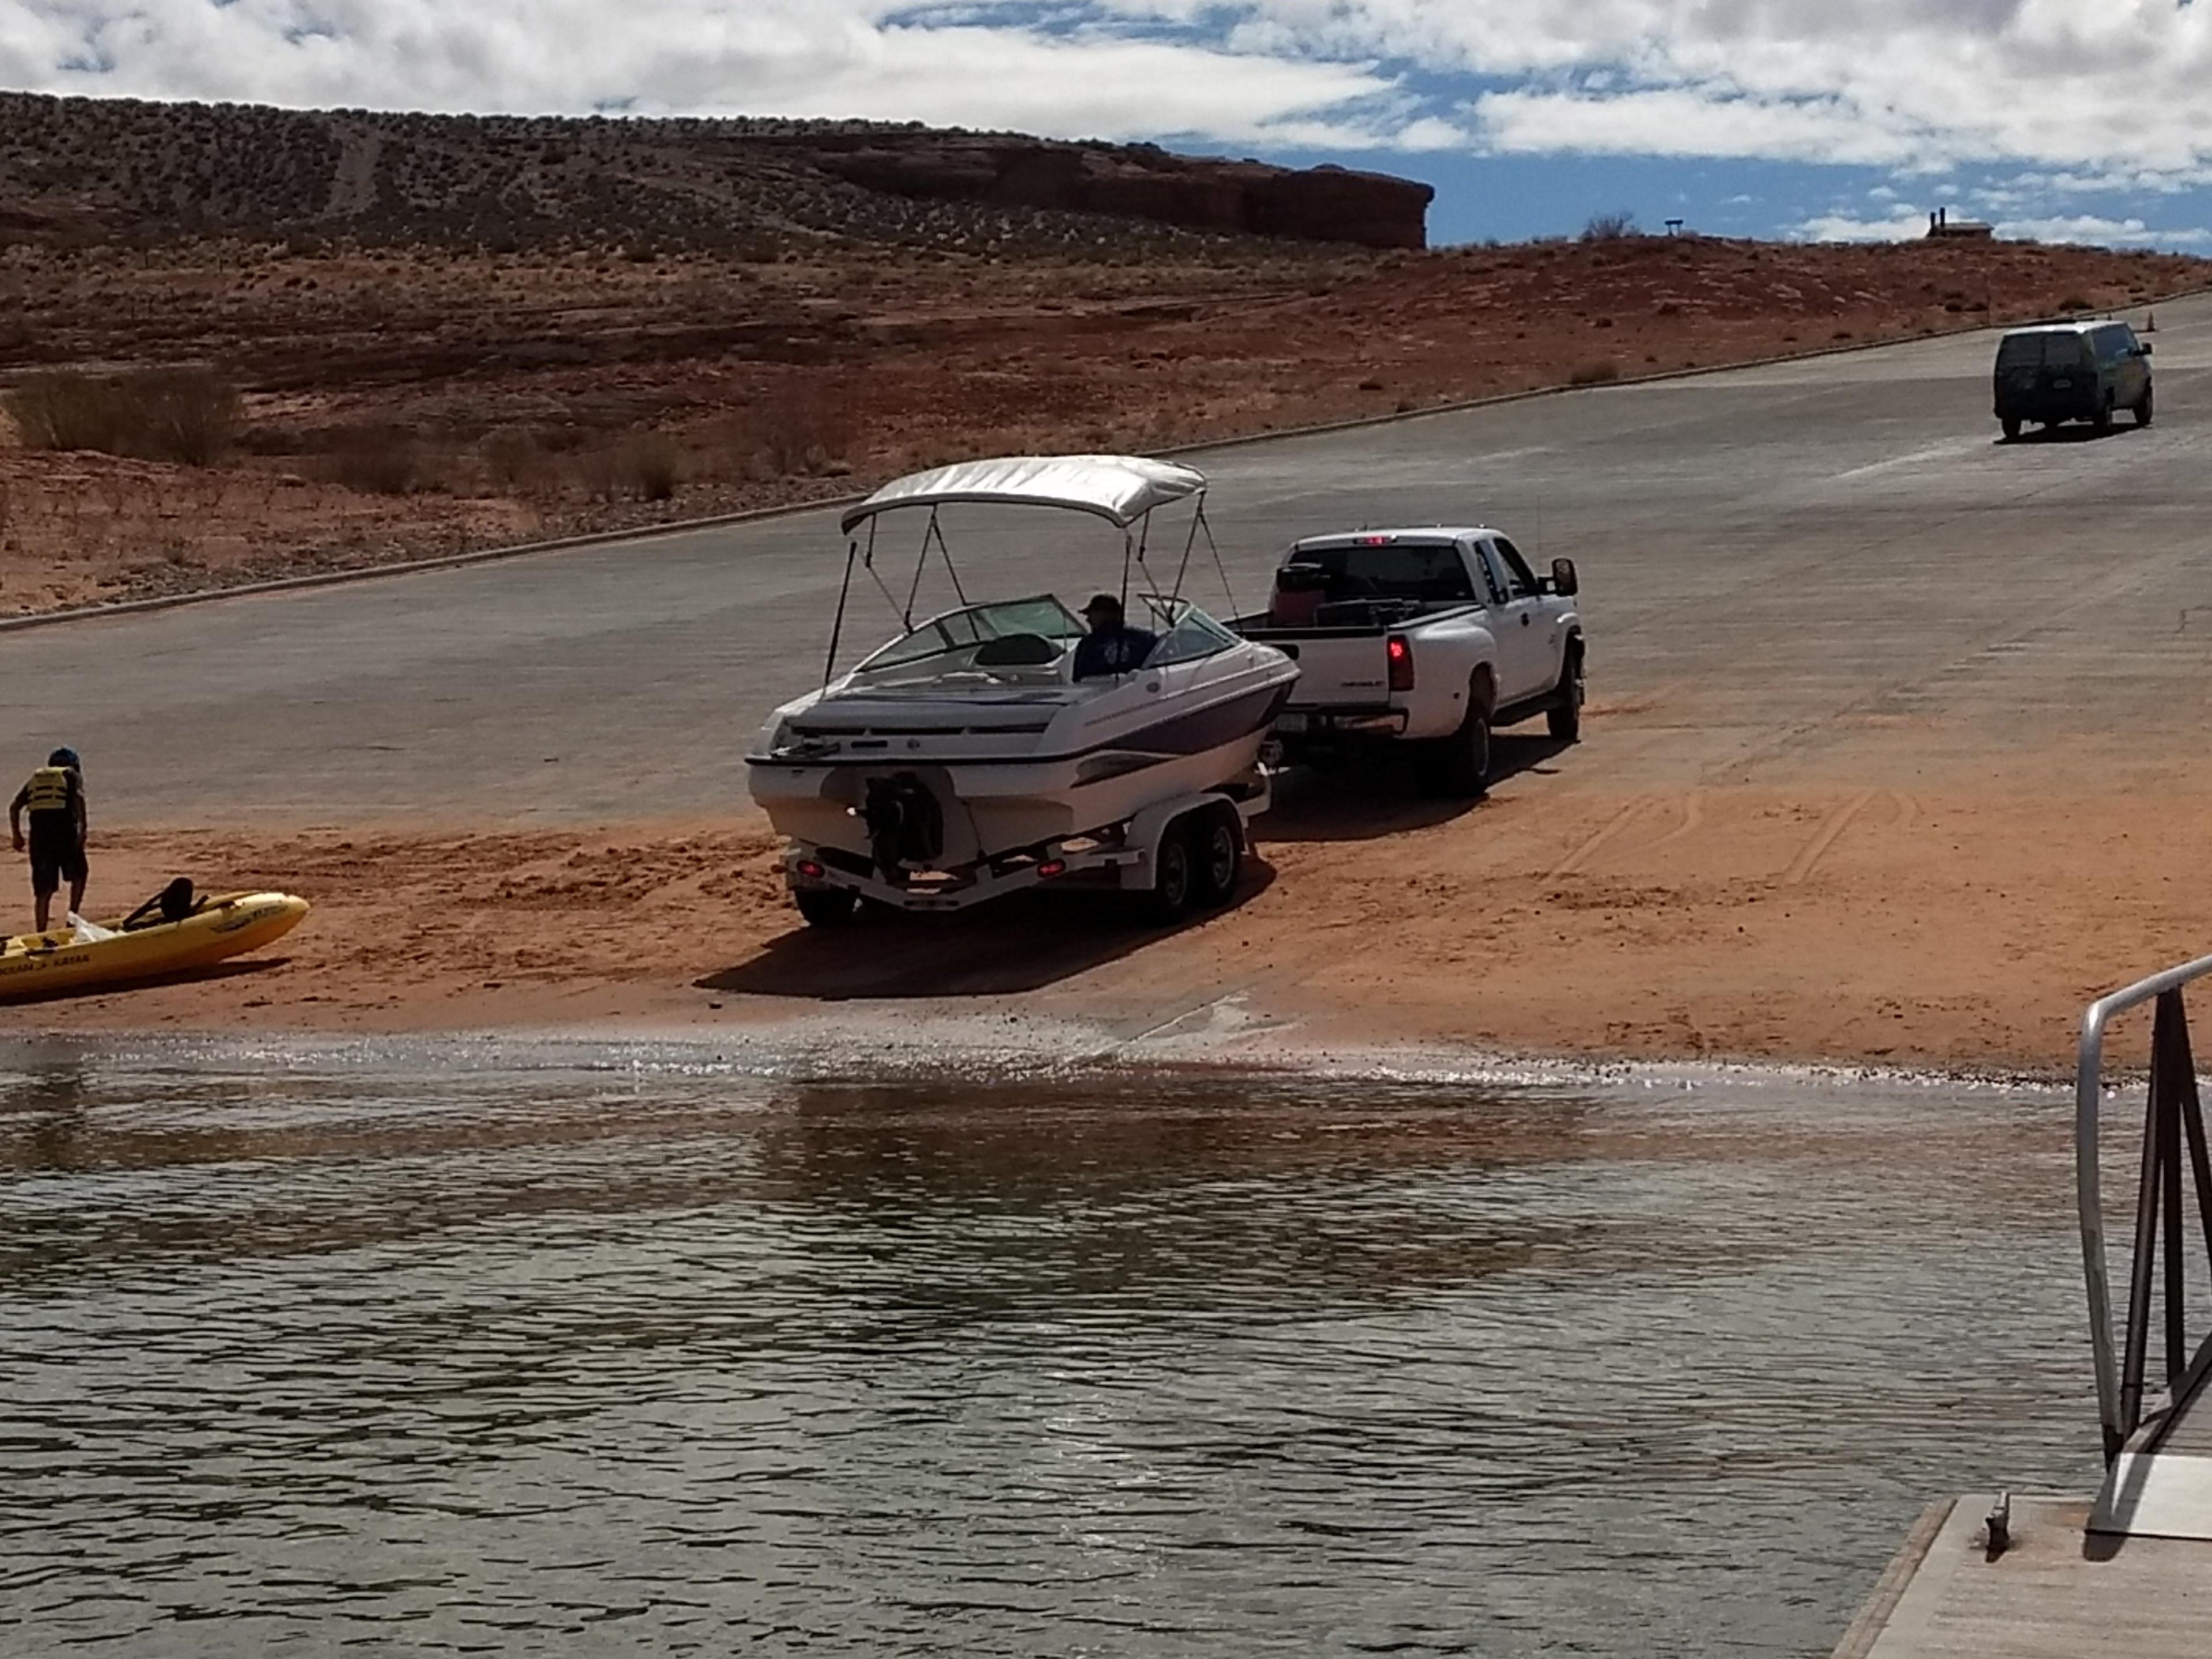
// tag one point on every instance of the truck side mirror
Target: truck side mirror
(1563, 578)
(2143, 346)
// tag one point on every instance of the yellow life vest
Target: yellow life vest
(48, 790)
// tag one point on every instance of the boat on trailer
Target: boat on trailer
(965, 757)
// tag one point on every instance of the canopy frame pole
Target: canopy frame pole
(1206, 524)
(1189, 542)
(921, 561)
(938, 530)
(844, 591)
(1128, 546)
(882, 586)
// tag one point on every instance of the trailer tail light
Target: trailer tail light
(1401, 663)
(809, 870)
(1052, 868)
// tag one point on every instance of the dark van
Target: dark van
(2071, 371)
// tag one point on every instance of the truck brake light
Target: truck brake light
(1400, 651)
(1373, 541)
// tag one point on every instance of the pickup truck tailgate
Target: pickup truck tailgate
(1337, 670)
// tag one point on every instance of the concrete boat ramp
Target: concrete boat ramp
(2127, 1572)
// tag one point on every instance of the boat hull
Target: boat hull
(993, 810)
(42, 964)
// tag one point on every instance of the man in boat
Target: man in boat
(54, 797)
(1111, 647)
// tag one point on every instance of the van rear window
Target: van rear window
(2043, 351)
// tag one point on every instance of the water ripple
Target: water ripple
(454, 1349)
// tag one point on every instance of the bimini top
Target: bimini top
(1121, 487)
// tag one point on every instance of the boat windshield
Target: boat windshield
(1042, 626)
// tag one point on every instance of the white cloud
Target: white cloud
(2088, 96)
(838, 58)
(1841, 226)
(1909, 224)
(2101, 231)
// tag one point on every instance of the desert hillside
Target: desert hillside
(185, 408)
(95, 169)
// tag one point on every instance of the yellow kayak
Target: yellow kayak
(220, 926)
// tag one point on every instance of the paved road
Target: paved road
(1779, 564)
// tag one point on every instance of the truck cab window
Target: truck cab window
(1520, 580)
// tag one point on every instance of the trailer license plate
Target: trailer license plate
(1289, 722)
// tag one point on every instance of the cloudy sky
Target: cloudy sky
(2087, 119)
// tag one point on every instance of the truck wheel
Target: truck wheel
(2011, 429)
(2102, 420)
(1220, 842)
(1564, 718)
(2142, 408)
(1457, 767)
(826, 907)
(1175, 875)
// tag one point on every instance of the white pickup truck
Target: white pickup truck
(1428, 636)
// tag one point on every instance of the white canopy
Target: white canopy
(1121, 487)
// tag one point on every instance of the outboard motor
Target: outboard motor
(906, 824)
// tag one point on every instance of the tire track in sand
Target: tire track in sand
(1613, 826)
(1825, 837)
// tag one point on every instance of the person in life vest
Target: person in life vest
(1111, 647)
(54, 797)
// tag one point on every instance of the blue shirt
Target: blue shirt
(1115, 651)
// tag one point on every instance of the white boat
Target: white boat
(969, 742)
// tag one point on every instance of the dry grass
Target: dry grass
(515, 458)
(650, 465)
(1597, 372)
(376, 460)
(188, 416)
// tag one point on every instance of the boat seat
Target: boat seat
(1016, 651)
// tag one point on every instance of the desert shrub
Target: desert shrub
(187, 416)
(2074, 302)
(375, 461)
(515, 456)
(799, 427)
(596, 472)
(1609, 227)
(649, 466)
(1597, 372)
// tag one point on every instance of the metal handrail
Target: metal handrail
(2116, 1414)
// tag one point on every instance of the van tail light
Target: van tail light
(1401, 663)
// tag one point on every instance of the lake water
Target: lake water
(522, 1349)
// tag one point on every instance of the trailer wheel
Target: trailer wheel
(1175, 874)
(1457, 767)
(1220, 840)
(826, 907)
